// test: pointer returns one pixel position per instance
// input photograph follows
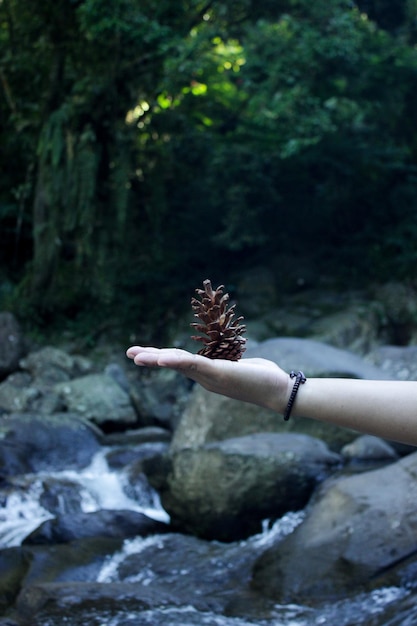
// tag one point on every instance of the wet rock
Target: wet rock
(99, 398)
(61, 496)
(86, 603)
(78, 561)
(356, 530)
(224, 490)
(32, 443)
(203, 574)
(147, 434)
(104, 523)
(11, 343)
(122, 456)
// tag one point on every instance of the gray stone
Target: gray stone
(355, 531)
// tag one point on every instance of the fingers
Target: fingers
(163, 357)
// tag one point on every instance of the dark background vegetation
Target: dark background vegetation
(146, 146)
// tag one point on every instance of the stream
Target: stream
(158, 559)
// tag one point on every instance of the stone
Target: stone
(119, 524)
(356, 530)
(97, 397)
(315, 358)
(32, 443)
(369, 448)
(223, 490)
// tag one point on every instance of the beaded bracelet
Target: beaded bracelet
(300, 379)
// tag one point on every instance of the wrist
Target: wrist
(298, 379)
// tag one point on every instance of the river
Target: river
(102, 487)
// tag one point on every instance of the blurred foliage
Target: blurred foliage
(147, 146)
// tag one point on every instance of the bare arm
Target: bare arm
(387, 409)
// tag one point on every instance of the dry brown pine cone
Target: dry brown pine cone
(224, 333)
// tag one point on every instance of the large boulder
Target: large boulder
(356, 530)
(224, 490)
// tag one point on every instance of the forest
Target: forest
(148, 144)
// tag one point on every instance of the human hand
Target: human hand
(257, 381)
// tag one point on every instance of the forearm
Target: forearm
(387, 409)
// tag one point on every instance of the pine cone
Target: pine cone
(224, 340)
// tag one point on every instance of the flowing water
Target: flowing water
(100, 487)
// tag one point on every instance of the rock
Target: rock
(159, 397)
(32, 443)
(354, 329)
(369, 448)
(396, 361)
(17, 394)
(78, 561)
(61, 496)
(224, 490)
(204, 574)
(212, 417)
(355, 531)
(46, 603)
(51, 365)
(97, 397)
(121, 456)
(105, 523)
(160, 573)
(398, 304)
(11, 344)
(147, 434)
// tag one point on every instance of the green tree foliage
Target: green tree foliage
(146, 146)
